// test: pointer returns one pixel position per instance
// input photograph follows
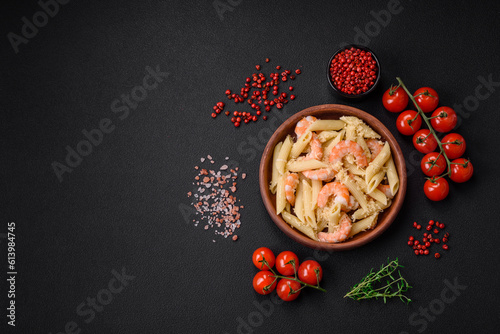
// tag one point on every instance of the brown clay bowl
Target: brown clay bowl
(331, 111)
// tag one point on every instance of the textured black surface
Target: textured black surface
(120, 208)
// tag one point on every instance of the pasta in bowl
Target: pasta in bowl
(332, 177)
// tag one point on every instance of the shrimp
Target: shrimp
(304, 124)
(337, 189)
(291, 182)
(346, 147)
(386, 189)
(323, 174)
(316, 149)
(352, 205)
(341, 234)
(375, 147)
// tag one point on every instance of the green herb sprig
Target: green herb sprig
(369, 286)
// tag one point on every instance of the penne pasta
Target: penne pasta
(283, 155)
(334, 218)
(321, 219)
(375, 181)
(300, 145)
(280, 195)
(309, 215)
(354, 169)
(299, 202)
(361, 142)
(316, 186)
(275, 174)
(392, 176)
(376, 165)
(302, 165)
(350, 133)
(373, 207)
(363, 225)
(324, 136)
(296, 223)
(355, 191)
(375, 194)
(326, 124)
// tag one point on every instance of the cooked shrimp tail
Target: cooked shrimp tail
(336, 189)
(342, 232)
(346, 147)
(291, 182)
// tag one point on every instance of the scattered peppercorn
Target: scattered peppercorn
(258, 98)
(422, 247)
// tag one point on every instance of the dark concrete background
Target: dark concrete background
(121, 208)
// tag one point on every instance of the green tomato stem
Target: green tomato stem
(298, 280)
(427, 121)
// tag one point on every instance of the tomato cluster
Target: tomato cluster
(446, 160)
(293, 278)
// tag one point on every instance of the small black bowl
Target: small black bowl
(353, 96)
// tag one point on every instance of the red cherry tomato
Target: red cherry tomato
(431, 165)
(288, 290)
(307, 272)
(436, 190)
(461, 170)
(405, 123)
(424, 141)
(426, 98)
(284, 262)
(264, 283)
(260, 254)
(395, 99)
(453, 145)
(445, 119)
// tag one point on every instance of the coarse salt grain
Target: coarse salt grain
(216, 207)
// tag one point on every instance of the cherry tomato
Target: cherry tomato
(453, 145)
(264, 283)
(436, 190)
(259, 254)
(426, 98)
(445, 119)
(284, 263)
(431, 165)
(405, 123)
(461, 170)
(288, 290)
(395, 99)
(424, 141)
(307, 272)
